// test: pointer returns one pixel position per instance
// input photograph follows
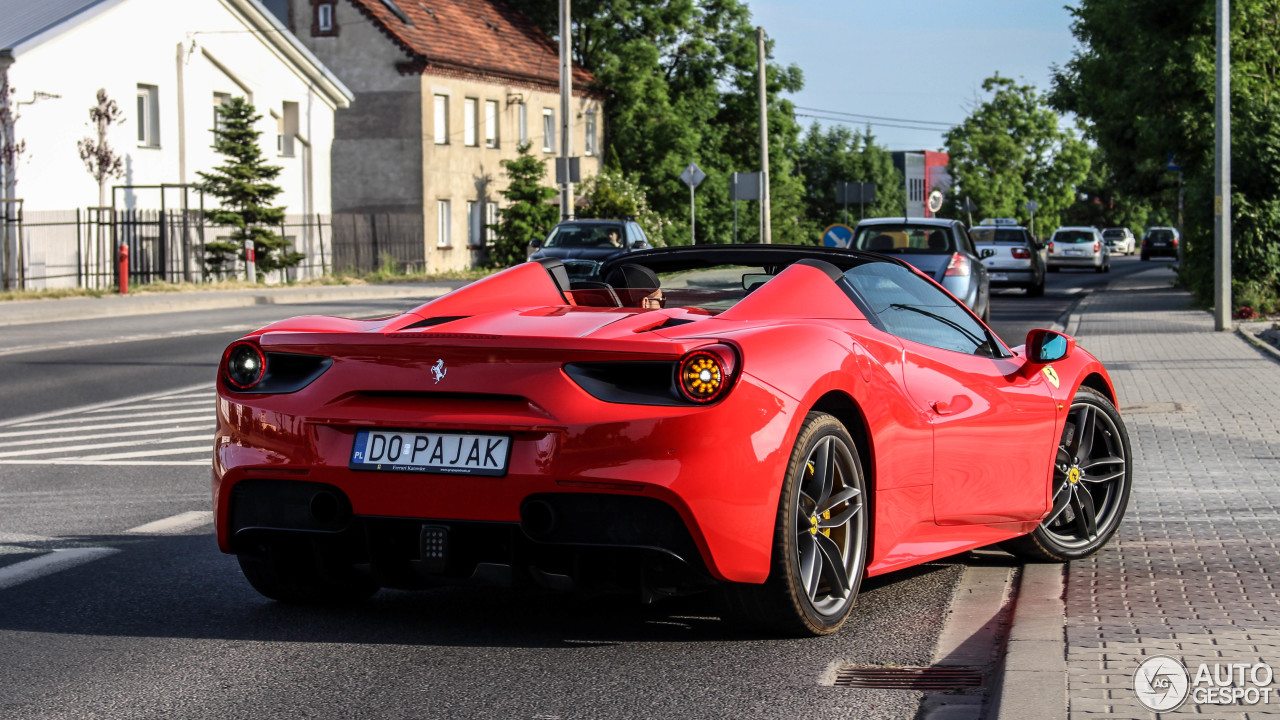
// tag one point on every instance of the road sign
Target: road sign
(935, 201)
(855, 193)
(1032, 206)
(693, 175)
(838, 236)
(744, 186)
(568, 170)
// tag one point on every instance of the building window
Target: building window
(522, 118)
(548, 130)
(443, 224)
(325, 23)
(287, 130)
(441, 113)
(473, 224)
(469, 120)
(148, 115)
(490, 221)
(491, 123)
(219, 99)
(589, 141)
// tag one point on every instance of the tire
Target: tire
(298, 573)
(1085, 512)
(1100, 269)
(1053, 268)
(819, 556)
(1145, 257)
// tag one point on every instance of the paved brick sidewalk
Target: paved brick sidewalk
(1194, 572)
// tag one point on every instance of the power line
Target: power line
(868, 122)
(878, 117)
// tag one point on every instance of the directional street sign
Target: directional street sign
(838, 236)
(1032, 206)
(693, 175)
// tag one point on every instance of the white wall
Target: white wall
(177, 47)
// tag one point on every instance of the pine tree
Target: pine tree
(527, 215)
(243, 185)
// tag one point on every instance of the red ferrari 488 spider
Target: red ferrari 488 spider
(772, 422)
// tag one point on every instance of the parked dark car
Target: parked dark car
(1160, 242)
(1013, 257)
(583, 244)
(939, 248)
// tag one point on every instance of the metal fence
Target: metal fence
(80, 248)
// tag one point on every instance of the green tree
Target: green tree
(527, 215)
(1143, 77)
(679, 84)
(1010, 150)
(243, 186)
(613, 194)
(841, 154)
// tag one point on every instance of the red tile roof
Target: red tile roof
(471, 37)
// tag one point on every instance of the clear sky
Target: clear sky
(912, 59)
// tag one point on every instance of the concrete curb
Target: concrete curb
(1034, 679)
(26, 312)
(1250, 332)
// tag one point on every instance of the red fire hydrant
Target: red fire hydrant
(123, 269)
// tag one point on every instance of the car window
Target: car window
(1073, 236)
(1161, 235)
(905, 238)
(583, 236)
(998, 236)
(963, 240)
(914, 309)
(636, 233)
(1113, 233)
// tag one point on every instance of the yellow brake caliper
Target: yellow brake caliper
(813, 519)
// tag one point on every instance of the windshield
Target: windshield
(998, 236)
(1073, 236)
(905, 238)
(1113, 233)
(585, 236)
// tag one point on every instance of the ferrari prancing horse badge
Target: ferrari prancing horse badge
(1052, 374)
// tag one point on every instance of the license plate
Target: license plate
(999, 276)
(428, 452)
(1074, 252)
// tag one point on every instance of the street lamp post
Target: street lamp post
(1222, 174)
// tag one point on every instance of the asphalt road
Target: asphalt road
(160, 624)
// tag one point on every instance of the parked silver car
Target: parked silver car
(1013, 257)
(1078, 247)
(1120, 240)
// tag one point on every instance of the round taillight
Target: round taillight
(245, 365)
(706, 374)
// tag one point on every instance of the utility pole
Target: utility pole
(1222, 174)
(566, 97)
(766, 224)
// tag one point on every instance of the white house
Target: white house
(168, 65)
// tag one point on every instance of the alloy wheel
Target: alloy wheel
(829, 526)
(1088, 478)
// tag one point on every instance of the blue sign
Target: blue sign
(838, 236)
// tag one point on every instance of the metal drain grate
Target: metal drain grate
(909, 678)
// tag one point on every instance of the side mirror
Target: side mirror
(1046, 346)
(986, 253)
(637, 244)
(535, 243)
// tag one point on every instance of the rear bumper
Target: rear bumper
(1093, 261)
(1012, 278)
(1165, 251)
(718, 469)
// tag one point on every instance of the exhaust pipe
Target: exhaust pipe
(326, 508)
(539, 519)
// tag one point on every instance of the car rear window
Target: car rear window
(1073, 236)
(998, 236)
(905, 238)
(585, 236)
(1161, 235)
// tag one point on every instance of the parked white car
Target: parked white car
(1120, 240)
(1078, 247)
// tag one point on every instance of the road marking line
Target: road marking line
(12, 538)
(178, 418)
(176, 524)
(200, 449)
(48, 564)
(77, 437)
(59, 413)
(194, 412)
(110, 463)
(103, 446)
(202, 404)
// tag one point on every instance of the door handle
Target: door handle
(941, 407)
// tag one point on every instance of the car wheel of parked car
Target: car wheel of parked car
(1036, 290)
(1145, 257)
(1092, 478)
(1053, 268)
(820, 538)
(294, 572)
